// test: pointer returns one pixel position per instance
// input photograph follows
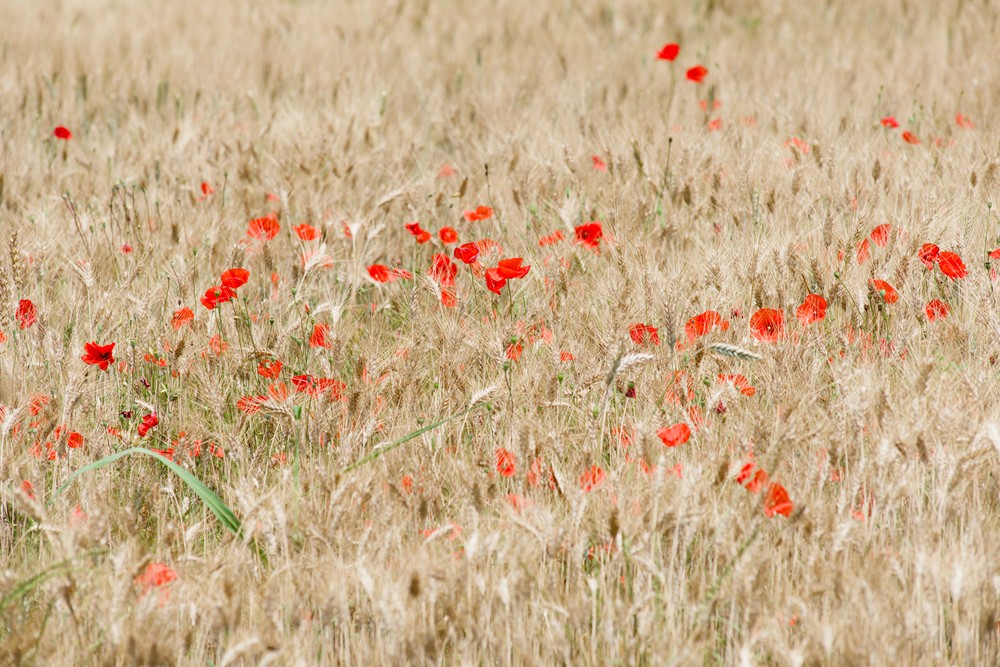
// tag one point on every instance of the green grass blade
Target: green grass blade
(214, 503)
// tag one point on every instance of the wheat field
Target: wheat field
(741, 409)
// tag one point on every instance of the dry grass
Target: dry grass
(890, 452)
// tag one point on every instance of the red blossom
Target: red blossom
(216, 295)
(592, 478)
(891, 295)
(506, 463)
(306, 232)
(928, 254)
(148, 422)
(599, 164)
(26, 313)
(936, 310)
(675, 435)
(478, 213)
(668, 52)
(99, 355)
(910, 138)
(890, 122)
(263, 229)
(767, 325)
(467, 252)
(701, 324)
(590, 234)
(318, 337)
(697, 74)
(448, 235)
(419, 233)
(234, 278)
(643, 333)
(813, 309)
(951, 265)
(62, 133)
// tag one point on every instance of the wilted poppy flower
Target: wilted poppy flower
(777, 501)
(590, 234)
(910, 138)
(306, 232)
(951, 265)
(674, 435)
(890, 122)
(318, 337)
(592, 478)
(936, 310)
(448, 235)
(467, 252)
(511, 268)
(98, 355)
(421, 234)
(149, 421)
(767, 325)
(701, 324)
(891, 295)
(697, 74)
(26, 313)
(929, 254)
(62, 133)
(235, 278)
(668, 52)
(642, 333)
(216, 295)
(506, 463)
(599, 164)
(813, 309)
(478, 213)
(263, 229)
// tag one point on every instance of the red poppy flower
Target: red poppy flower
(767, 325)
(642, 333)
(910, 138)
(270, 370)
(590, 234)
(697, 74)
(216, 295)
(668, 52)
(448, 235)
(592, 478)
(235, 278)
(74, 440)
(951, 265)
(419, 233)
(777, 501)
(995, 254)
(443, 269)
(880, 235)
(599, 164)
(701, 324)
(752, 478)
(98, 355)
(149, 421)
(467, 252)
(891, 295)
(675, 435)
(890, 122)
(506, 463)
(445, 171)
(62, 133)
(479, 213)
(813, 309)
(929, 254)
(156, 575)
(864, 251)
(250, 404)
(306, 232)
(263, 229)
(964, 122)
(318, 337)
(206, 189)
(181, 317)
(551, 239)
(383, 274)
(494, 281)
(26, 313)
(511, 268)
(936, 310)
(739, 381)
